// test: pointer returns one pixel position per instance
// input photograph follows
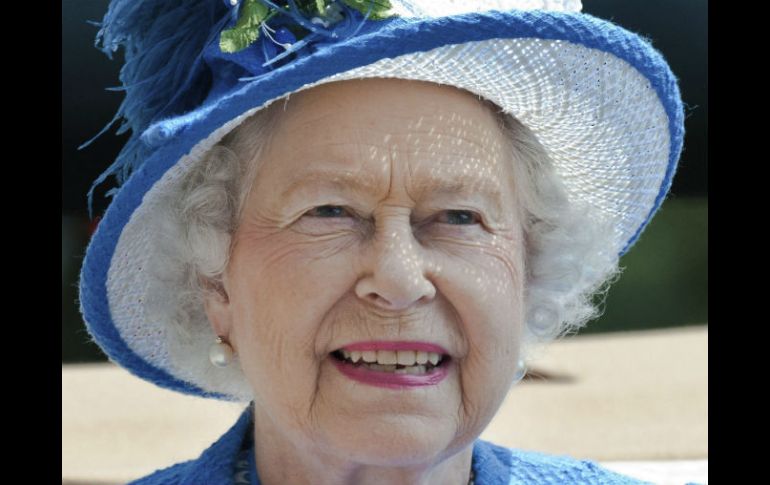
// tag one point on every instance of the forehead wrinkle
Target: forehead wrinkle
(365, 184)
(344, 181)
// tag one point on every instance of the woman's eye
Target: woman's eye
(328, 211)
(452, 217)
(459, 218)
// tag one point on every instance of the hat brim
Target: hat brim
(601, 100)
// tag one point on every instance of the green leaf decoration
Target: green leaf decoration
(234, 40)
(380, 8)
(253, 13)
(246, 30)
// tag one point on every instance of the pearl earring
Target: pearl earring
(521, 371)
(220, 353)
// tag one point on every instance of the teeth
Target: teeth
(414, 370)
(391, 357)
(406, 357)
(386, 357)
(417, 369)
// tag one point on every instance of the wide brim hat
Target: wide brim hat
(600, 99)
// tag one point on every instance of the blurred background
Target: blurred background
(665, 282)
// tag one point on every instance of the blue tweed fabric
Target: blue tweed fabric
(492, 465)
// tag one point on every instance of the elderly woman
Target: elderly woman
(363, 218)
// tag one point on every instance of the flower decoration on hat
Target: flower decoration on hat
(264, 35)
(303, 22)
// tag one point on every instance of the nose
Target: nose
(396, 269)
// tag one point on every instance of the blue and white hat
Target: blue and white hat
(599, 98)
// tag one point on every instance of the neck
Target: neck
(280, 461)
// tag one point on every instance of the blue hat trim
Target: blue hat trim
(169, 140)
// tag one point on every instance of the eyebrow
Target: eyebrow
(365, 184)
(343, 181)
(482, 187)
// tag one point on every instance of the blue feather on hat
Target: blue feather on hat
(164, 74)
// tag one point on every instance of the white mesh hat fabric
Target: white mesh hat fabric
(598, 117)
(434, 8)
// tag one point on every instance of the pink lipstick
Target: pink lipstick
(393, 376)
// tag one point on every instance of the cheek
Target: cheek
(291, 268)
(281, 325)
(278, 359)
(490, 271)
(484, 284)
(286, 289)
(306, 283)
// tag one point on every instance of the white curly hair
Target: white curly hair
(567, 255)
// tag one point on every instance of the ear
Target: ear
(216, 304)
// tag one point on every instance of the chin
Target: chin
(392, 444)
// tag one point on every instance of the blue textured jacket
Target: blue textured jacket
(492, 464)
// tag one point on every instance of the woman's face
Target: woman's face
(383, 211)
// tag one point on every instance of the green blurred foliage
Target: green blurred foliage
(665, 277)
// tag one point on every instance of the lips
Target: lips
(400, 358)
(393, 364)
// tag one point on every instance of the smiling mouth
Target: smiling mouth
(415, 363)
